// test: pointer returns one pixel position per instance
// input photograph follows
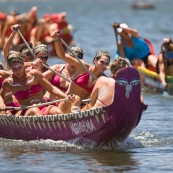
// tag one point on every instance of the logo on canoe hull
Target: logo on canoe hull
(129, 86)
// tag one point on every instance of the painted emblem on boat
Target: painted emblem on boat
(129, 86)
(82, 126)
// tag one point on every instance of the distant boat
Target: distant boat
(142, 5)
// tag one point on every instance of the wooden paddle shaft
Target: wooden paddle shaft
(41, 104)
(42, 63)
(77, 58)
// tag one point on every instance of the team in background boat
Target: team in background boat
(165, 61)
(34, 29)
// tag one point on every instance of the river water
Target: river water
(150, 146)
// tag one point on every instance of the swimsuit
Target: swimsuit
(43, 110)
(56, 81)
(83, 81)
(48, 100)
(139, 50)
(24, 94)
(13, 104)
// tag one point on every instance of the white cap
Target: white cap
(122, 25)
(165, 40)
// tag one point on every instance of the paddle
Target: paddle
(42, 63)
(40, 104)
(116, 34)
(56, 72)
(25, 42)
(115, 26)
(76, 57)
(35, 105)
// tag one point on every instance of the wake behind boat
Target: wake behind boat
(100, 124)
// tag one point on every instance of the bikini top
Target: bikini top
(24, 94)
(56, 81)
(83, 81)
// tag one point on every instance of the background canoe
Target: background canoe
(151, 81)
(142, 5)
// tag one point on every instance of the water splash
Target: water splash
(142, 140)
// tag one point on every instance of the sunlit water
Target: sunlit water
(150, 146)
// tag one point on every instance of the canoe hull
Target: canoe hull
(151, 81)
(95, 125)
(102, 124)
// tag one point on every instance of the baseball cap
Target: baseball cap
(122, 25)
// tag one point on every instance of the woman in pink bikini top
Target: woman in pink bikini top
(82, 82)
(27, 87)
(64, 69)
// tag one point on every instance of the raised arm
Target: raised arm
(131, 31)
(61, 53)
(8, 44)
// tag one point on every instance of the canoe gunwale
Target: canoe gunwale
(51, 118)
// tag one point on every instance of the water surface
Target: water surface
(150, 146)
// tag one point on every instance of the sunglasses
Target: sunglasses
(42, 57)
(18, 66)
(102, 62)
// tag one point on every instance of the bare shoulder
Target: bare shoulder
(7, 80)
(105, 80)
(57, 67)
(36, 73)
(4, 74)
(87, 65)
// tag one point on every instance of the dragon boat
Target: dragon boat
(101, 124)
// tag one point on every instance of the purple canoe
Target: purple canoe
(101, 124)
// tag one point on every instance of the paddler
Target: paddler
(133, 47)
(165, 61)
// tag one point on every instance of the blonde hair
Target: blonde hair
(117, 64)
(15, 56)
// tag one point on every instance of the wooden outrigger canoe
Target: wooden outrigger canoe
(115, 121)
(151, 81)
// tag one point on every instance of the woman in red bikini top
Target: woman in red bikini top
(27, 87)
(83, 83)
(64, 69)
(103, 92)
